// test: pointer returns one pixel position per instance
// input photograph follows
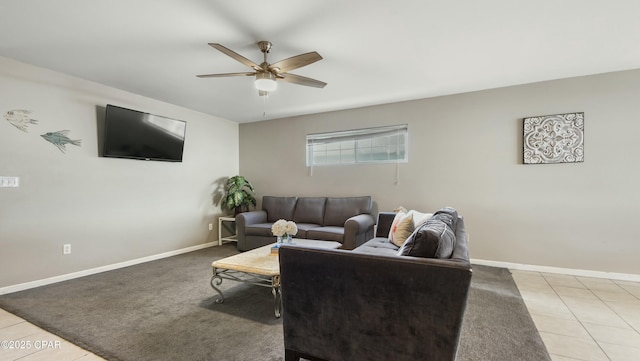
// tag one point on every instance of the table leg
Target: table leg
(218, 280)
(277, 295)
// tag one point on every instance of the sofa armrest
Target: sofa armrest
(253, 217)
(245, 219)
(385, 219)
(461, 250)
(357, 230)
(374, 307)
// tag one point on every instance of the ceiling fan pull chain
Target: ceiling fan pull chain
(264, 106)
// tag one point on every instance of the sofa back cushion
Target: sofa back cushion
(279, 207)
(309, 210)
(338, 210)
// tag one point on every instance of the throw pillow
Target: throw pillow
(396, 219)
(433, 239)
(449, 216)
(419, 218)
(402, 230)
(394, 224)
(400, 209)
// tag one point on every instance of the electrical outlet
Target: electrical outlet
(211, 226)
(66, 249)
(9, 182)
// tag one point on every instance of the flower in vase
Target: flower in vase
(291, 228)
(283, 228)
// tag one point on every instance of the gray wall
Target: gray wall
(109, 210)
(466, 152)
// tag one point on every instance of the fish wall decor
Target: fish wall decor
(60, 139)
(20, 119)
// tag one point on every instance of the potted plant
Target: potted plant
(240, 195)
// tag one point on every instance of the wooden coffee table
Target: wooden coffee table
(258, 267)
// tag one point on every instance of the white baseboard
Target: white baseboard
(514, 266)
(69, 276)
(566, 271)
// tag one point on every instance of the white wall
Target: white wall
(466, 152)
(109, 210)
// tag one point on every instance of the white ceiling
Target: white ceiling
(374, 51)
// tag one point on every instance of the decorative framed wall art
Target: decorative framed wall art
(557, 138)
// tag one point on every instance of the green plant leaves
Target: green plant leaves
(240, 193)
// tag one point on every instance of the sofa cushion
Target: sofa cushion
(309, 210)
(433, 239)
(279, 207)
(303, 228)
(338, 210)
(378, 245)
(401, 228)
(327, 233)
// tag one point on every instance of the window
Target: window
(371, 145)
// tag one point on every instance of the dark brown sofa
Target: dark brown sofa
(347, 220)
(371, 304)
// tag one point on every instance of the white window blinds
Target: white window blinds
(371, 145)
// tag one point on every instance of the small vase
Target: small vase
(285, 239)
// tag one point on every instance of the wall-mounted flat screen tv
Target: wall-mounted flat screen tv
(133, 134)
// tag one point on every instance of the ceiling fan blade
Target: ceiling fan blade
(301, 80)
(295, 62)
(224, 74)
(236, 56)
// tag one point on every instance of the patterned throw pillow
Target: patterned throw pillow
(394, 224)
(401, 230)
(400, 215)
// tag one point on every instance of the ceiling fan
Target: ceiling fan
(266, 74)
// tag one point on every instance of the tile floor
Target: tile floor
(579, 318)
(20, 340)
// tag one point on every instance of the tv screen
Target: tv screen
(136, 135)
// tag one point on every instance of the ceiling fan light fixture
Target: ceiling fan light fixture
(266, 81)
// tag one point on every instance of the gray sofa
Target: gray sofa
(347, 220)
(373, 304)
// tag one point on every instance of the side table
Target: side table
(223, 222)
